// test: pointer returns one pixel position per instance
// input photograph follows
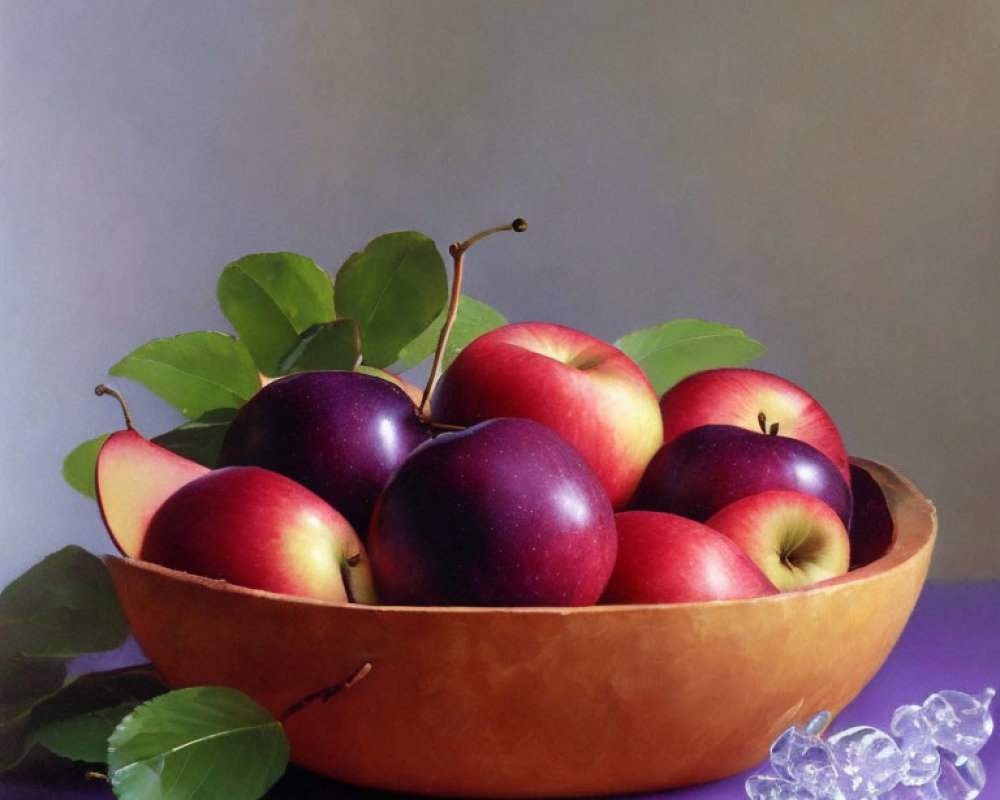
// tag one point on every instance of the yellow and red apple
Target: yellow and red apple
(257, 528)
(589, 392)
(245, 525)
(796, 539)
(755, 400)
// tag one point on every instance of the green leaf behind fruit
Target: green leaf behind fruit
(62, 607)
(271, 298)
(394, 288)
(204, 742)
(79, 467)
(194, 372)
(24, 682)
(672, 351)
(77, 721)
(200, 439)
(330, 345)
(472, 319)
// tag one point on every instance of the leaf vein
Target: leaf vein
(195, 376)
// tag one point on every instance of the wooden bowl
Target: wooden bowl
(539, 702)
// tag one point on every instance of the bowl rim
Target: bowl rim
(906, 545)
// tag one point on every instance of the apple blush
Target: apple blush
(505, 513)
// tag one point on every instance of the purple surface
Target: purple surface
(951, 642)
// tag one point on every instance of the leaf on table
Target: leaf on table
(80, 465)
(204, 742)
(270, 299)
(330, 345)
(61, 607)
(672, 351)
(472, 319)
(200, 439)
(195, 372)
(77, 721)
(394, 288)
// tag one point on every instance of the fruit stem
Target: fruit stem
(325, 694)
(101, 390)
(762, 421)
(457, 253)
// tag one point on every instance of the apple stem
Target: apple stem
(444, 426)
(457, 253)
(101, 390)
(762, 421)
(325, 694)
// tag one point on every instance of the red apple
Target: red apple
(664, 558)
(796, 539)
(587, 391)
(256, 528)
(133, 478)
(739, 396)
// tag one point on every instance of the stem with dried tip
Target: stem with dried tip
(457, 253)
(101, 390)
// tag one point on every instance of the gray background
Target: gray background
(824, 175)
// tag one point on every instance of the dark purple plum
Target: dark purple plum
(340, 434)
(708, 467)
(871, 528)
(505, 513)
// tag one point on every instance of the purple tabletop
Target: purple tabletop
(951, 642)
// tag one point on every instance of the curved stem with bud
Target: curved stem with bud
(457, 253)
(100, 390)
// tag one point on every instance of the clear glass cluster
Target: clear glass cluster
(928, 754)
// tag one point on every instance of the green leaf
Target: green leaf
(83, 738)
(62, 607)
(194, 372)
(472, 319)
(14, 743)
(25, 682)
(205, 742)
(80, 465)
(394, 289)
(672, 351)
(77, 721)
(330, 345)
(271, 298)
(201, 439)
